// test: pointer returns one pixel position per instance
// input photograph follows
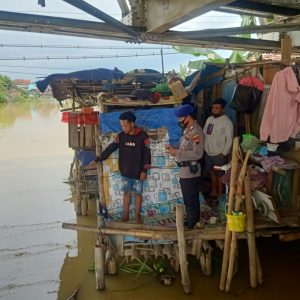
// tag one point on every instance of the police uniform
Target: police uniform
(188, 158)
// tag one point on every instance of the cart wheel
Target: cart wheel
(263, 208)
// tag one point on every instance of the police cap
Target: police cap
(184, 110)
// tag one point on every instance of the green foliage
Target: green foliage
(5, 82)
(5, 85)
(17, 95)
(2, 97)
(211, 56)
(162, 88)
(23, 96)
(247, 21)
(184, 71)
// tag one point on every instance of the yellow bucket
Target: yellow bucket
(236, 223)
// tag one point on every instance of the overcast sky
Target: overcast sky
(22, 69)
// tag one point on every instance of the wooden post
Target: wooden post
(81, 136)
(111, 260)
(89, 140)
(176, 262)
(199, 248)
(250, 232)
(287, 237)
(157, 251)
(259, 269)
(73, 135)
(233, 178)
(286, 50)
(194, 247)
(73, 98)
(78, 190)
(84, 204)
(247, 123)
(112, 266)
(205, 258)
(185, 280)
(71, 172)
(295, 188)
(101, 205)
(200, 105)
(100, 266)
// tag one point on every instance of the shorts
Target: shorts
(132, 185)
(216, 160)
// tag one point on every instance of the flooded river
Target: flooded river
(39, 260)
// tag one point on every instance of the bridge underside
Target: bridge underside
(150, 21)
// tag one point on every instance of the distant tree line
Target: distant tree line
(9, 92)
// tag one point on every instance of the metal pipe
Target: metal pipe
(162, 62)
(124, 7)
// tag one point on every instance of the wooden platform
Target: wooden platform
(105, 104)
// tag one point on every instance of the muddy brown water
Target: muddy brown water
(39, 260)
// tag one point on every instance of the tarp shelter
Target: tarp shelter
(87, 75)
(161, 189)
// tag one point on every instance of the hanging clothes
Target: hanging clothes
(281, 118)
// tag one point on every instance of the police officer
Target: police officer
(188, 157)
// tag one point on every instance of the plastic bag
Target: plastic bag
(247, 94)
(250, 142)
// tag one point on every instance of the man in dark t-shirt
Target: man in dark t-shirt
(134, 161)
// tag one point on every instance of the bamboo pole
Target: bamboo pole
(250, 232)
(233, 245)
(101, 205)
(234, 168)
(232, 261)
(77, 171)
(130, 225)
(185, 280)
(208, 234)
(100, 267)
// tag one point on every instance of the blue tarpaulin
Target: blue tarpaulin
(207, 71)
(85, 156)
(227, 92)
(152, 118)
